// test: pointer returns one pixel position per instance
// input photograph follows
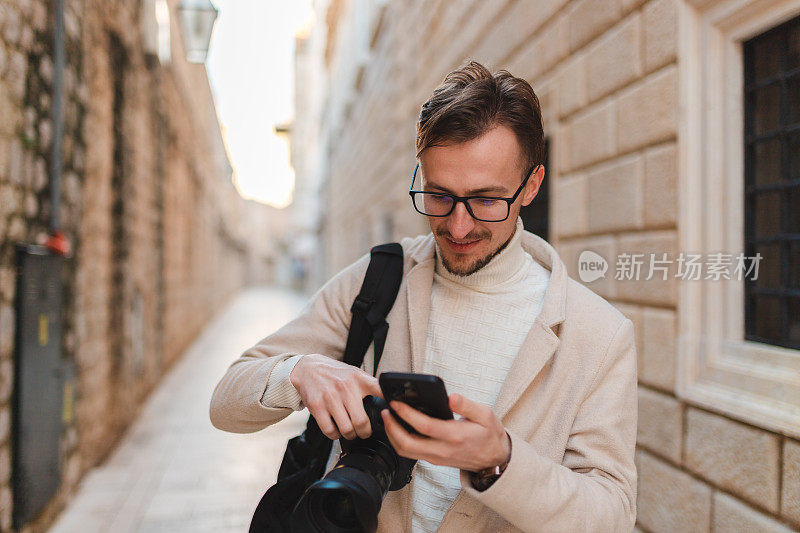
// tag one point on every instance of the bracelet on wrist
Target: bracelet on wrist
(483, 479)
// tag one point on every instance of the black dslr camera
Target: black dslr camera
(349, 497)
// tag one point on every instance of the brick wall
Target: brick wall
(161, 239)
(606, 72)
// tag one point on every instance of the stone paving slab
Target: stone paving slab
(173, 471)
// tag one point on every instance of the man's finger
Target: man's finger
(342, 420)
(424, 424)
(369, 385)
(404, 442)
(473, 411)
(412, 446)
(358, 416)
(326, 425)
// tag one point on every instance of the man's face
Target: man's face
(489, 165)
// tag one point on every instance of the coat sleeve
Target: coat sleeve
(594, 487)
(321, 328)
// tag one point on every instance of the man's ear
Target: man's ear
(533, 185)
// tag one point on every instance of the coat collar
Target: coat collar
(542, 339)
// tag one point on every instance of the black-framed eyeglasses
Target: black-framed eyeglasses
(483, 208)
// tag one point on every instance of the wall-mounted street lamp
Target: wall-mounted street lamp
(197, 22)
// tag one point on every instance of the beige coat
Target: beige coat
(569, 402)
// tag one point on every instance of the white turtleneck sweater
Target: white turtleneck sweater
(477, 324)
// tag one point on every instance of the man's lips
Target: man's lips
(461, 246)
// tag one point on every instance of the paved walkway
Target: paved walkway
(173, 471)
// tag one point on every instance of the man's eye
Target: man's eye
(486, 202)
(441, 199)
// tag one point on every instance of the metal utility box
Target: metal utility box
(38, 389)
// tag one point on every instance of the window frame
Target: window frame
(717, 368)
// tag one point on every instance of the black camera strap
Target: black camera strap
(307, 454)
(373, 303)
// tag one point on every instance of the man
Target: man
(541, 370)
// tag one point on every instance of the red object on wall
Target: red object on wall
(58, 243)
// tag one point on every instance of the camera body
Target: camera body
(348, 498)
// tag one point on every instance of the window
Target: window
(772, 184)
(536, 214)
(738, 341)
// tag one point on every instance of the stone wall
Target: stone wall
(26, 130)
(606, 72)
(160, 238)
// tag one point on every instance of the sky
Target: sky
(251, 68)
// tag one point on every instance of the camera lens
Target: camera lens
(349, 497)
(345, 501)
(339, 509)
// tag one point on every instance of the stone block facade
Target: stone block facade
(608, 75)
(160, 238)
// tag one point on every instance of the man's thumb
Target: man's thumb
(469, 409)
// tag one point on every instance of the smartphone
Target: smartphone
(423, 392)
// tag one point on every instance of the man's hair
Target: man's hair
(471, 101)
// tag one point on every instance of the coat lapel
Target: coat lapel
(538, 347)
(418, 291)
(542, 340)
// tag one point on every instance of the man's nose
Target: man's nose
(460, 222)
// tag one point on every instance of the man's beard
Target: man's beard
(477, 265)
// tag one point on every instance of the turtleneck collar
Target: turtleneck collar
(505, 267)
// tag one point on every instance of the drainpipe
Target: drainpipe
(57, 241)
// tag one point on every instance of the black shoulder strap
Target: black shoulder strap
(307, 454)
(373, 303)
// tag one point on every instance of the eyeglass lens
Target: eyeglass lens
(437, 205)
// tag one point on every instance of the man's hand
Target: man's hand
(333, 392)
(473, 443)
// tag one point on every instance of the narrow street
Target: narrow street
(173, 471)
